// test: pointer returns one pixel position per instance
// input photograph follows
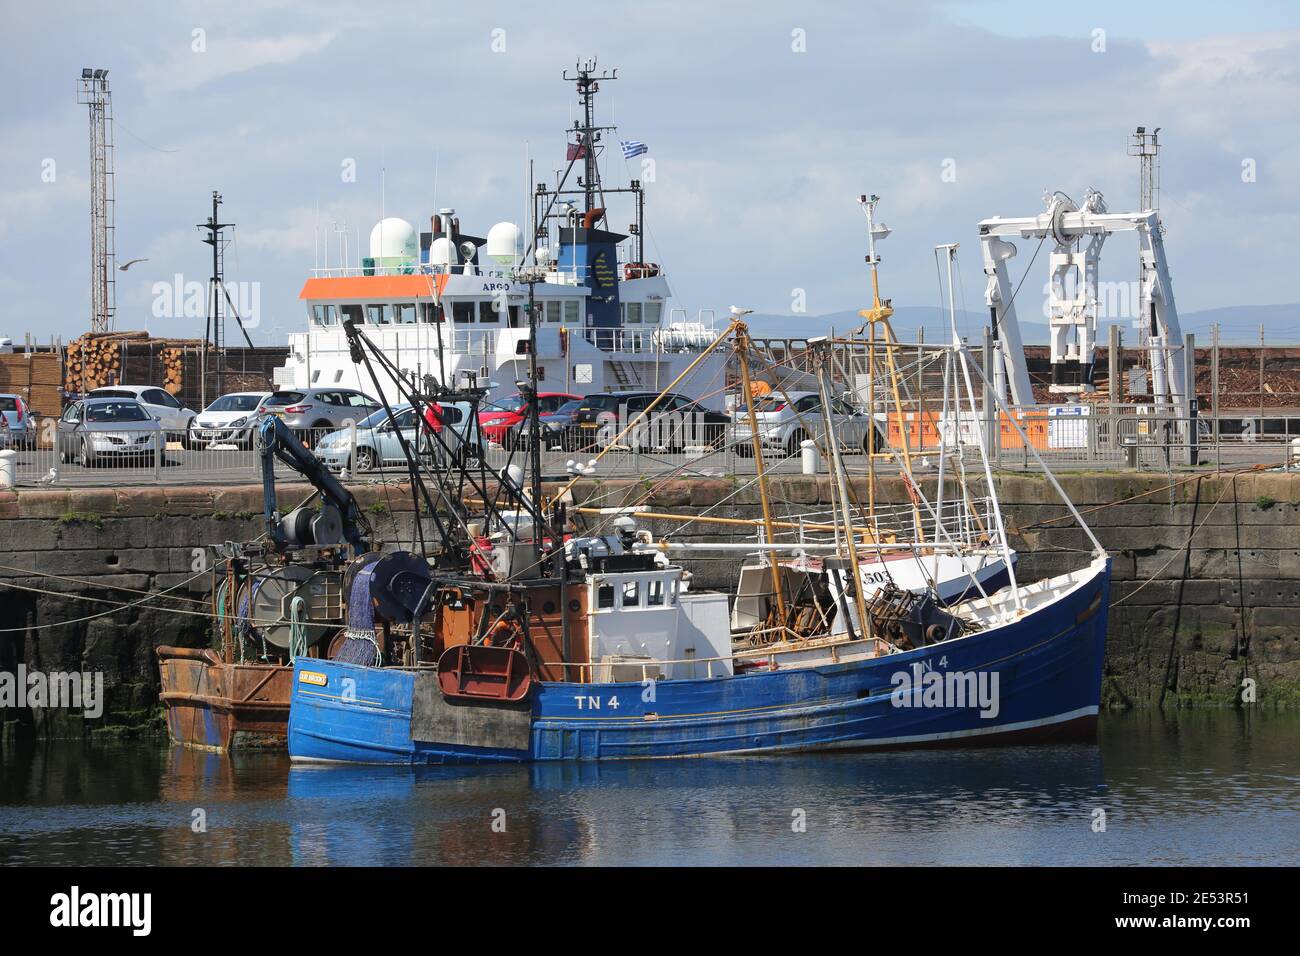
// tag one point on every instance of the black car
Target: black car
(556, 427)
(674, 423)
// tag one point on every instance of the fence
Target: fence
(1098, 437)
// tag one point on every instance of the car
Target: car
(230, 420)
(787, 419)
(98, 428)
(17, 423)
(378, 444)
(158, 402)
(674, 423)
(497, 422)
(554, 427)
(309, 411)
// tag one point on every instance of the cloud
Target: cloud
(186, 68)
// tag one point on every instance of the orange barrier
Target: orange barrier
(922, 429)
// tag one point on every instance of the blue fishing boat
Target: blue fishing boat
(1032, 673)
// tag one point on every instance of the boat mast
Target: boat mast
(823, 386)
(950, 250)
(880, 312)
(742, 353)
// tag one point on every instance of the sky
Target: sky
(765, 121)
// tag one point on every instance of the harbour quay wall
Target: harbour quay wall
(1205, 592)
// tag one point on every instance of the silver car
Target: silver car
(377, 442)
(96, 429)
(786, 420)
(310, 412)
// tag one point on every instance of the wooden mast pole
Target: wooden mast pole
(742, 351)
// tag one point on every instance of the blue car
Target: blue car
(378, 444)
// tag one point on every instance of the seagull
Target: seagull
(737, 312)
(49, 478)
(129, 263)
(345, 474)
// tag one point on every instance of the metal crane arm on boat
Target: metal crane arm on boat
(278, 441)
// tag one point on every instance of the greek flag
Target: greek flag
(633, 148)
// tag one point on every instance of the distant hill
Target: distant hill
(906, 320)
(1238, 325)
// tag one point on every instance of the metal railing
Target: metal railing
(670, 449)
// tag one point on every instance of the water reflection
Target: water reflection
(1207, 787)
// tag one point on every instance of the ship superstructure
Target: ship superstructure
(448, 308)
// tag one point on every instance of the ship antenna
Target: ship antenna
(588, 81)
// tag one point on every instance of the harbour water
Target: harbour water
(1201, 787)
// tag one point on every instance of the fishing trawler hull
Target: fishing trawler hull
(215, 706)
(1035, 678)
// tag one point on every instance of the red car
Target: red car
(496, 422)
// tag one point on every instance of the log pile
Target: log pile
(173, 365)
(95, 360)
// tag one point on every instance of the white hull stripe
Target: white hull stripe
(862, 744)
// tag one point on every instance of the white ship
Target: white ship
(448, 305)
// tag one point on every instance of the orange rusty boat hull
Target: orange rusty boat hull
(212, 705)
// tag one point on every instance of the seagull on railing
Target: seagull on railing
(49, 478)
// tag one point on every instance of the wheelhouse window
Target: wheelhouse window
(655, 594)
(462, 311)
(632, 313)
(430, 313)
(487, 311)
(353, 312)
(553, 313)
(654, 312)
(404, 313)
(323, 314)
(631, 594)
(572, 312)
(379, 314)
(604, 596)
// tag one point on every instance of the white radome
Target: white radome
(505, 243)
(394, 238)
(442, 252)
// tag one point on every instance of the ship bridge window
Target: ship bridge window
(655, 593)
(632, 313)
(654, 311)
(324, 314)
(404, 313)
(631, 594)
(604, 596)
(552, 312)
(430, 313)
(487, 311)
(352, 312)
(379, 314)
(462, 311)
(572, 312)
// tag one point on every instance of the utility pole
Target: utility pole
(94, 93)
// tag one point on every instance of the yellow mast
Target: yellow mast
(742, 352)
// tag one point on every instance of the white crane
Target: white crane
(1077, 235)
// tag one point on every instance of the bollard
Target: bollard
(1130, 451)
(7, 468)
(811, 457)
